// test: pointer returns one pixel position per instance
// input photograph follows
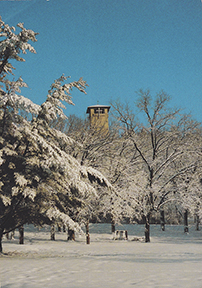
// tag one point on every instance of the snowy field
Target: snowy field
(172, 259)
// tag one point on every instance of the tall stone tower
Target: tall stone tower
(98, 116)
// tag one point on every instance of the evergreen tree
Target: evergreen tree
(39, 181)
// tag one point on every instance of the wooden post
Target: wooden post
(186, 228)
(21, 235)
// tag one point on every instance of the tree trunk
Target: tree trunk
(1, 236)
(126, 234)
(197, 222)
(162, 220)
(186, 228)
(113, 226)
(87, 233)
(147, 228)
(71, 234)
(59, 228)
(21, 235)
(64, 228)
(53, 232)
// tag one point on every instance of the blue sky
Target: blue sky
(117, 46)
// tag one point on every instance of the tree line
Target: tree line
(154, 165)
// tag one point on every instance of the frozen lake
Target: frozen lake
(171, 259)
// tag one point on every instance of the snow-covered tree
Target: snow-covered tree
(102, 152)
(159, 153)
(39, 181)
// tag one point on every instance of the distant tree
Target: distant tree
(102, 151)
(159, 153)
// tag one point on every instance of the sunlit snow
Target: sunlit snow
(172, 259)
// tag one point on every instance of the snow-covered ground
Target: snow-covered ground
(172, 259)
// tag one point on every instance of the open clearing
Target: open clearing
(172, 259)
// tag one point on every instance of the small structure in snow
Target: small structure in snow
(121, 235)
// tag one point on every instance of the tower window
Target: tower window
(99, 110)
